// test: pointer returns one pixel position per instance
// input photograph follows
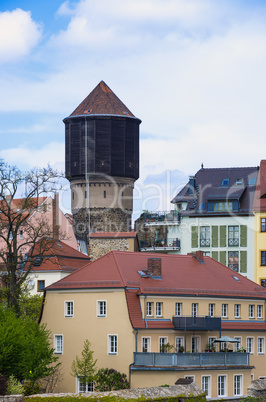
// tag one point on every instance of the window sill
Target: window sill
(69, 316)
(112, 353)
(101, 316)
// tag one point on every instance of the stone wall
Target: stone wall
(257, 389)
(11, 398)
(99, 247)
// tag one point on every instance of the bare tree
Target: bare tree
(16, 218)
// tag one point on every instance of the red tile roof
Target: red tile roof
(113, 234)
(102, 101)
(244, 326)
(259, 203)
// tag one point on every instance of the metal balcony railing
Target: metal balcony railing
(162, 243)
(161, 217)
(233, 242)
(203, 323)
(205, 242)
(192, 359)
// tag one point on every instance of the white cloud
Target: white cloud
(26, 158)
(18, 34)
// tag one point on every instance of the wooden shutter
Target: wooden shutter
(223, 257)
(243, 235)
(215, 255)
(214, 236)
(222, 236)
(194, 236)
(243, 261)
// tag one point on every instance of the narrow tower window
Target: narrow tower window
(85, 193)
(104, 194)
(73, 195)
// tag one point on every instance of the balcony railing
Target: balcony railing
(233, 241)
(200, 323)
(163, 243)
(191, 359)
(205, 242)
(162, 217)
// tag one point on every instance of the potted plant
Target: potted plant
(166, 348)
(181, 349)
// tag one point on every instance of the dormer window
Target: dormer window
(239, 181)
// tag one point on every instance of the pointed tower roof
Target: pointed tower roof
(102, 101)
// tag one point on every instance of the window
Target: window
(263, 258)
(69, 308)
(159, 309)
(20, 234)
(162, 342)
(211, 309)
(237, 385)
(250, 345)
(178, 344)
(149, 309)
(41, 285)
(237, 310)
(225, 182)
(224, 310)
(178, 309)
(221, 385)
(239, 181)
(195, 344)
(101, 308)
(233, 236)
(259, 311)
(104, 194)
(205, 385)
(223, 206)
(237, 345)
(146, 345)
(194, 309)
(263, 283)
(85, 193)
(58, 344)
(84, 386)
(251, 311)
(263, 224)
(112, 345)
(205, 236)
(233, 260)
(260, 346)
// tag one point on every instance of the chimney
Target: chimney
(199, 256)
(191, 185)
(155, 266)
(55, 204)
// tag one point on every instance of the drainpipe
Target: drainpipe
(145, 306)
(136, 337)
(129, 375)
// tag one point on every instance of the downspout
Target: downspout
(136, 349)
(86, 172)
(145, 306)
(136, 337)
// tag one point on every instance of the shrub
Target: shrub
(109, 380)
(14, 387)
(31, 388)
(3, 384)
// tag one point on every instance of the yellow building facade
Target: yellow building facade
(157, 320)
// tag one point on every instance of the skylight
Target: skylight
(236, 278)
(252, 181)
(225, 182)
(239, 181)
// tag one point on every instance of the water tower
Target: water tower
(102, 162)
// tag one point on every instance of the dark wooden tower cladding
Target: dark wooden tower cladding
(102, 162)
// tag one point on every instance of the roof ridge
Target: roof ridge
(118, 268)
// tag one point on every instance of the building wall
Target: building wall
(98, 247)
(260, 245)
(86, 325)
(48, 277)
(184, 232)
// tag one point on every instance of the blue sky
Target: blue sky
(192, 70)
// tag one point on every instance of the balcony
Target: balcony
(161, 218)
(191, 359)
(205, 323)
(159, 244)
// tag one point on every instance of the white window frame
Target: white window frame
(60, 350)
(208, 393)
(163, 340)
(259, 311)
(112, 347)
(219, 383)
(87, 386)
(224, 310)
(251, 311)
(190, 377)
(197, 337)
(178, 309)
(237, 345)
(237, 310)
(147, 340)
(101, 308)
(69, 303)
(20, 234)
(159, 309)
(261, 345)
(238, 386)
(194, 309)
(149, 309)
(181, 343)
(211, 309)
(250, 347)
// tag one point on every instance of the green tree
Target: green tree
(25, 350)
(84, 367)
(30, 306)
(14, 219)
(110, 380)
